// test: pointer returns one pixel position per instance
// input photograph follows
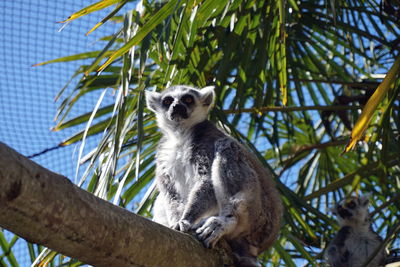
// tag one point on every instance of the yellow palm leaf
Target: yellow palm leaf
(369, 109)
(89, 9)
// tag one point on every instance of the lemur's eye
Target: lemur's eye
(167, 101)
(187, 99)
(351, 205)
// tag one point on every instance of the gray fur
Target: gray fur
(356, 240)
(208, 182)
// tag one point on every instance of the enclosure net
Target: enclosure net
(29, 34)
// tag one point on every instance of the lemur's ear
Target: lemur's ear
(207, 95)
(153, 100)
(364, 200)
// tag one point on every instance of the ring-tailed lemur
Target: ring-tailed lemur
(356, 240)
(208, 182)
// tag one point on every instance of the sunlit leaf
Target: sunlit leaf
(109, 16)
(162, 14)
(372, 104)
(92, 8)
(73, 58)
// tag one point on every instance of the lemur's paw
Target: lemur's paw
(183, 226)
(211, 231)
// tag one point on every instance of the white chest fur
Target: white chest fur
(173, 159)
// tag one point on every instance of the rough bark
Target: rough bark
(47, 209)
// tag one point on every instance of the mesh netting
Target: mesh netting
(28, 35)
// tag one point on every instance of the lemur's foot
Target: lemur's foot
(210, 231)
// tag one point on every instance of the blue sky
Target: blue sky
(29, 34)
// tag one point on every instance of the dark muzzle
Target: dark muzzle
(179, 111)
(344, 213)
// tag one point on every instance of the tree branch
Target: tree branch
(46, 208)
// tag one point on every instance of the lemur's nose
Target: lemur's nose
(344, 213)
(179, 110)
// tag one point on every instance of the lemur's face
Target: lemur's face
(352, 210)
(180, 106)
